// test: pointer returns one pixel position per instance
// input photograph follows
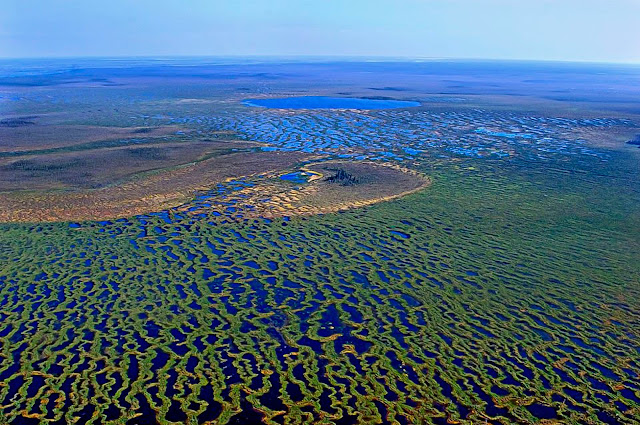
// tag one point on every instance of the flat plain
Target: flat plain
(173, 251)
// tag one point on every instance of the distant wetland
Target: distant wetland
(402, 243)
(326, 102)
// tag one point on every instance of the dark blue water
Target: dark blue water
(325, 102)
(297, 177)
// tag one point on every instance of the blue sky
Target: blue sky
(582, 30)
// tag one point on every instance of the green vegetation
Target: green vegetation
(486, 285)
(504, 288)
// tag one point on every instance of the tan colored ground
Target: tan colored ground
(96, 168)
(45, 136)
(378, 182)
(142, 195)
(87, 178)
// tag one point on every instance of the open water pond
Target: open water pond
(326, 102)
(296, 177)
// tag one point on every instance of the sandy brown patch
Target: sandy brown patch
(374, 182)
(146, 194)
(37, 136)
(96, 168)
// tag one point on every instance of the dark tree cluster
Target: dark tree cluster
(343, 178)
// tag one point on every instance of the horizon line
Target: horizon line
(361, 58)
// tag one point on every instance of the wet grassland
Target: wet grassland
(501, 287)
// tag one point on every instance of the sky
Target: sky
(567, 30)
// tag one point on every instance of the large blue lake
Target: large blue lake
(326, 102)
